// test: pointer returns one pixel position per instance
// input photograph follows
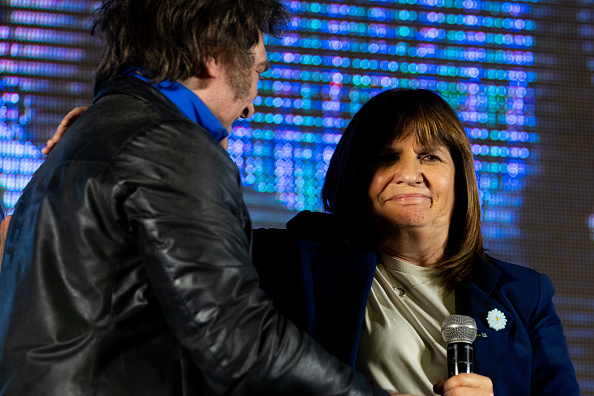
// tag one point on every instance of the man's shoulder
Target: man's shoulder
(130, 101)
(132, 130)
(127, 110)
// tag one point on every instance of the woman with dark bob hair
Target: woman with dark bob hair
(395, 115)
(400, 250)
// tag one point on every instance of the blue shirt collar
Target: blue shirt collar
(190, 105)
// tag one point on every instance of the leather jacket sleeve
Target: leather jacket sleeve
(184, 205)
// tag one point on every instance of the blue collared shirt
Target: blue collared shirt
(191, 106)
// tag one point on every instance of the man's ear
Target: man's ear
(213, 68)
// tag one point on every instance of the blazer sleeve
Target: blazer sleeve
(552, 370)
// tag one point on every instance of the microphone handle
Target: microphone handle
(460, 358)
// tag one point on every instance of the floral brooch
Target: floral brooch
(496, 319)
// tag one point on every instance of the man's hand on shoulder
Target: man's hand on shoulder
(3, 231)
(64, 125)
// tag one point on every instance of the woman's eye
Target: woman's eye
(429, 157)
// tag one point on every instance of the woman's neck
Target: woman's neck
(418, 246)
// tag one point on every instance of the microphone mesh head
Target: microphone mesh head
(458, 328)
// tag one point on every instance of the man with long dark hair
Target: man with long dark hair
(127, 264)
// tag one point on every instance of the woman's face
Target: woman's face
(413, 186)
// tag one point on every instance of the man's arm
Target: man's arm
(184, 201)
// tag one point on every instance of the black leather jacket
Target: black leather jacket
(127, 270)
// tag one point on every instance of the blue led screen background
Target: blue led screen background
(520, 75)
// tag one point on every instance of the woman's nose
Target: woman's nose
(408, 170)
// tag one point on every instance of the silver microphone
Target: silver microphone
(459, 332)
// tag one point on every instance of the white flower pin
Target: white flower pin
(496, 319)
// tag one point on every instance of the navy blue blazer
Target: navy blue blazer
(322, 285)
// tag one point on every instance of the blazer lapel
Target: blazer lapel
(475, 299)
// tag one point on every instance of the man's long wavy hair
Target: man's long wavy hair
(388, 116)
(172, 39)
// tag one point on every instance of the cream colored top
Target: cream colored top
(401, 346)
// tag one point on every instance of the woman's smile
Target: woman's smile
(410, 198)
